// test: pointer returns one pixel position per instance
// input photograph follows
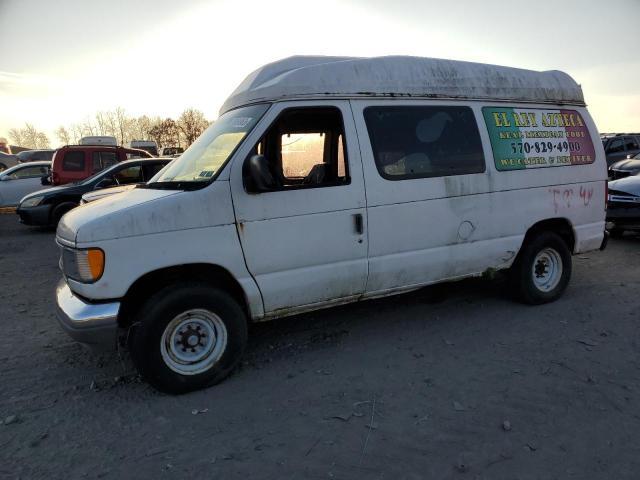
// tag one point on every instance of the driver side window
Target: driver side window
(304, 148)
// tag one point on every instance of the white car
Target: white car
(329, 180)
(18, 181)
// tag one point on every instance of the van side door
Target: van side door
(427, 186)
(304, 238)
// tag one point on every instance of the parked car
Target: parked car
(308, 193)
(147, 145)
(46, 207)
(18, 181)
(172, 151)
(623, 205)
(74, 163)
(7, 160)
(35, 155)
(619, 145)
(625, 168)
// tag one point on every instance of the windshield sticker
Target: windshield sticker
(206, 174)
(535, 138)
(240, 122)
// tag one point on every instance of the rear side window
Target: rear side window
(73, 162)
(424, 141)
(102, 160)
(630, 143)
(616, 146)
(31, 172)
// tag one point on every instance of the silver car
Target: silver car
(20, 180)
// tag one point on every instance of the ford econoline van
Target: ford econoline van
(329, 180)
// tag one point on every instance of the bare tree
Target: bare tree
(191, 124)
(29, 137)
(63, 135)
(121, 125)
(15, 135)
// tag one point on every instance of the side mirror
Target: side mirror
(629, 156)
(260, 177)
(46, 180)
(104, 183)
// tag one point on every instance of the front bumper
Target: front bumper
(40, 215)
(624, 215)
(94, 324)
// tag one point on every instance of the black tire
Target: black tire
(616, 232)
(146, 334)
(523, 274)
(59, 211)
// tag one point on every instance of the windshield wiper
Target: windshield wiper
(176, 185)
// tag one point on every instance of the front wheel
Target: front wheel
(188, 337)
(542, 270)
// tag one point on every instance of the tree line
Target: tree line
(166, 132)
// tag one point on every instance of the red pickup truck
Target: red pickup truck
(73, 163)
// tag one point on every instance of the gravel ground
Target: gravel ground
(454, 381)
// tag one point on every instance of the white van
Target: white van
(331, 180)
(146, 145)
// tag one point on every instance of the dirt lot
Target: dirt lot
(417, 386)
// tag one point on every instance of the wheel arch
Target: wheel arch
(560, 225)
(153, 281)
(64, 207)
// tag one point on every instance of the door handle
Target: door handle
(359, 223)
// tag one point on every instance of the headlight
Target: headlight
(85, 266)
(31, 202)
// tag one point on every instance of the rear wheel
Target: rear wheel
(188, 336)
(542, 270)
(3, 167)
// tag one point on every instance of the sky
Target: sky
(62, 61)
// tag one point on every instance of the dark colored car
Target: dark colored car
(625, 168)
(35, 155)
(623, 205)
(74, 163)
(618, 146)
(171, 151)
(46, 207)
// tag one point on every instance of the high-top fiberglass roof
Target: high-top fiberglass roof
(313, 76)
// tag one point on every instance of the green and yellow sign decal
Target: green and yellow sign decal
(535, 138)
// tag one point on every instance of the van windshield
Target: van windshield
(202, 161)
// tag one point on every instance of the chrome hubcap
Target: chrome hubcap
(193, 341)
(547, 269)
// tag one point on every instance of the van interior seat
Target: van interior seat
(316, 175)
